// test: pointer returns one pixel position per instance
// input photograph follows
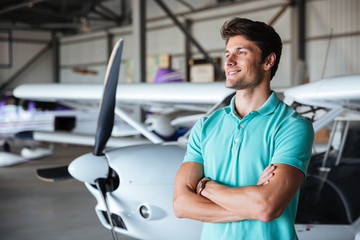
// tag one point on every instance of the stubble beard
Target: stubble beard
(241, 83)
(246, 82)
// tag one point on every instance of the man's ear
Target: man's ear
(269, 61)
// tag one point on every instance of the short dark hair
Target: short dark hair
(263, 35)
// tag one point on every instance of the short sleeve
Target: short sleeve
(193, 151)
(293, 143)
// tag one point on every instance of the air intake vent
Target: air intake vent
(117, 220)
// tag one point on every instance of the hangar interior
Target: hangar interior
(70, 41)
(319, 37)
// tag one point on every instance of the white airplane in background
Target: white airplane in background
(186, 101)
(133, 185)
(329, 204)
(174, 108)
(17, 121)
(27, 122)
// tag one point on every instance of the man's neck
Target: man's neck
(248, 100)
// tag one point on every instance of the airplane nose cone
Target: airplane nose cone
(87, 168)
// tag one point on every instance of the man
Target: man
(220, 180)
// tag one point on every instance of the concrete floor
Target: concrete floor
(33, 209)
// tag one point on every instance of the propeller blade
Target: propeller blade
(53, 174)
(107, 106)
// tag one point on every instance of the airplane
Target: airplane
(180, 107)
(27, 122)
(16, 120)
(171, 109)
(21, 119)
(133, 185)
(329, 202)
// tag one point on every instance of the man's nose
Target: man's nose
(230, 61)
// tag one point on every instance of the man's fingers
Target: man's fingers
(266, 175)
(269, 169)
(265, 179)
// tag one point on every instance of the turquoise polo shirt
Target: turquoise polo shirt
(235, 151)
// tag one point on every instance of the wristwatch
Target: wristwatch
(201, 185)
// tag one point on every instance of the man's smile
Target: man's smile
(233, 72)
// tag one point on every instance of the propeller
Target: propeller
(93, 168)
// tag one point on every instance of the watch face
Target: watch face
(202, 184)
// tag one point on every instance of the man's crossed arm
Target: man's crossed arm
(220, 203)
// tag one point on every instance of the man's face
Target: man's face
(243, 67)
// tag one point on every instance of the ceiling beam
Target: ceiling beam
(26, 4)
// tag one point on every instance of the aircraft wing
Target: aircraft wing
(336, 92)
(142, 93)
(339, 95)
(163, 98)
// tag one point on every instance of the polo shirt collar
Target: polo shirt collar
(267, 108)
(232, 108)
(270, 105)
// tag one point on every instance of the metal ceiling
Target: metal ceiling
(67, 16)
(75, 16)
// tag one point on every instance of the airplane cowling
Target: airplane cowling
(147, 174)
(143, 164)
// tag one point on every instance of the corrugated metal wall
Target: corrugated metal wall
(26, 45)
(325, 19)
(333, 38)
(164, 37)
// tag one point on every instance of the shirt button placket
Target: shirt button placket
(239, 134)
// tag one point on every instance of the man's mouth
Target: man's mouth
(232, 72)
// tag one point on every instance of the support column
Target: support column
(188, 54)
(110, 44)
(56, 58)
(139, 34)
(302, 28)
(298, 42)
